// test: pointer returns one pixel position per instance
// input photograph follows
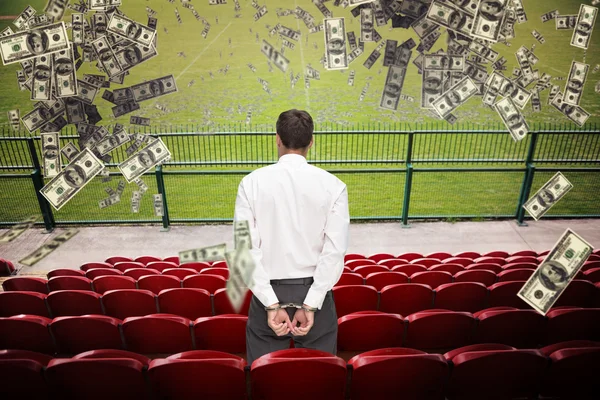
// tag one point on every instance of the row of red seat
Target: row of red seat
(432, 330)
(491, 371)
(440, 255)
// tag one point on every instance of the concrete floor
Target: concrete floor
(99, 243)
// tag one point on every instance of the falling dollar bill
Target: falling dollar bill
(154, 88)
(41, 83)
(26, 45)
(14, 118)
(241, 235)
(210, 253)
(131, 30)
(565, 22)
(512, 118)
(335, 43)
(450, 16)
(106, 56)
(17, 229)
(554, 274)
(80, 171)
(547, 196)
(153, 154)
(574, 88)
(366, 25)
(241, 266)
(489, 19)
(455, 96)
(51, 154)
(109, 201)
(111, 142)
(273, 55)
(393, 87)
(65, 79)
(134, 120)
(158, 205)
(574, 113)
(136, 197)
(582, 35)
(49, 247)
(536, 104)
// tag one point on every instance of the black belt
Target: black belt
(298, 281)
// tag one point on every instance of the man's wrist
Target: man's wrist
(308, 308)
(273, 307)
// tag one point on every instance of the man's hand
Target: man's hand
(279, 321)
(306, 319)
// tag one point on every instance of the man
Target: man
(298, 218)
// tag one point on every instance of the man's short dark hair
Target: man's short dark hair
(295, 128)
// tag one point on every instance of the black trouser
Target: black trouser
(260, 338)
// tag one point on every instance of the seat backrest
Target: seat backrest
(486, 277)
(522, 329)
(369, 269)
(409, 269)
(96, 272)
(123, 303)
(352, 264)
(69, 283)
(461, 296)
(505, 294)
(361, 332)
(590, 265)
(353, 256)
(161, 265)
(350, 278)
(147, 259)
(26, 332)
(156, 283)
(439, 330)
(186, 302)
(392, 262)
(381, 279)
(519, 265)
(440, 255)
(573, 324)
(427, 262)
(406, 298)
(573, 374)
(410, 256)
(179, 272)
(380, 256)
(116, 259)
(125, 265)
(223, 304)
(448, 267)
(496, 253)
(74, 335)
(15, 303)
(490, 260)
(592, 275)
(26, 284)
(224, 272)
(495, 268)
(64, 303)
(468, 254)
(518, 274)
(431, 278)
(531, 253)
(173, 259)
(137, 273)
(64, 272)
(157, 333)
(464, 261)
(103, 284)
(94, 265)
(207, 282)
(352, 298)
(196, 266)
(579, 293)
(221, 333)
(522, 259)
(22, 379)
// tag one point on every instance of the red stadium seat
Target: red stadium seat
(353, 256)
(569, 344)
(64, 272)
(370, 269)
(147, 259)
(157, 333)
(180, 272)
(96, 272)
(490, 260)
(325, 372)
(103, 284)
(519, 274)
(346, 269)
(392, 262)
(137, 273)
(26, 284)
(224, 272)
(431, 278)
(505, 294)
(542, 257)
(496, 253)
(451, 268)
(212, 283)
(522, 259)
(519, 265)
(173, 259)
(522, 329)
(406, 298)
(350, 278)
(485, 277)
(187, 302)
(125, 303)
(464, 261)
(369, 330)
(26, 332)
(497, 374)
(409, 269)
(572, 324)
(590, 265)
(427, 262)
(74, 335)
(379, 280)
(196, 266)
(111, 353)
(221, 333)
(69, 283)
(22, 375)
(198, 374)
(65, 303)
(468, 254)
(116, 259)
(595, 256)
(380, 256)
(531, 253)
(156, 283)
(579, 293)
(440, 255)
(224, 306)
(125, 265)
(573, 374)
(439, 329)
(596, 296)
(6, 267)
(390, 374)
(495, 268)
(353, 298)
(15, 303)
(96, 378)
(461, 296)
(592, 275)
(219, 264)
(352, 264)
(410, 256)
(543, 253)
(161, 265)
(94, 265)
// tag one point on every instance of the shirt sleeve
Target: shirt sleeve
(331, 260)
(260, 285)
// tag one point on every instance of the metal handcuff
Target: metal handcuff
(291, 305)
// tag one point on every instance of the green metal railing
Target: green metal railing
(393, 173)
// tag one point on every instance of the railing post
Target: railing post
(527, 180)
(160, 183)
(45, 207)
(408, 180)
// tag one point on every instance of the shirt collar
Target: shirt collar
(292, 158)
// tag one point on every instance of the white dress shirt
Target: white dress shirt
(298, 217)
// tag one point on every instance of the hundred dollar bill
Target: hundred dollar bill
(154, 88)
(455, 96)
(126, 108)
(489, 19)
(99, 24)
(423, 27)
(13, 118)
(273, 55)
(109, 143)
(512, 118)
(51, 154)
(41, 83)
(107, 57)
(290, 33)
(574, 113)
(554, 274)
(136, 197)
(241, 267)
(353, 3)
(65, 79)
(451, 17)
(366, 25)
(582, 35)
(109, 201)
(484, 51)
(21, 21)
(139, 121)
(260, 13)
(80, 171)
(86, 92)
(135, 166)
(17, 229)
(142, 185)
(393, 87)
(565, 22)
(499, 85)
(158, 205)
(49, 247)
(129, 29)
(335, 43)
(210, 253)
(536, 103)
(56, 8)
(36, 118)
(538, 36)
(34, 43)
(547, 196)
(69, 151)
(574, 89)
(134, 55)
(75, 110)
(241, 235)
